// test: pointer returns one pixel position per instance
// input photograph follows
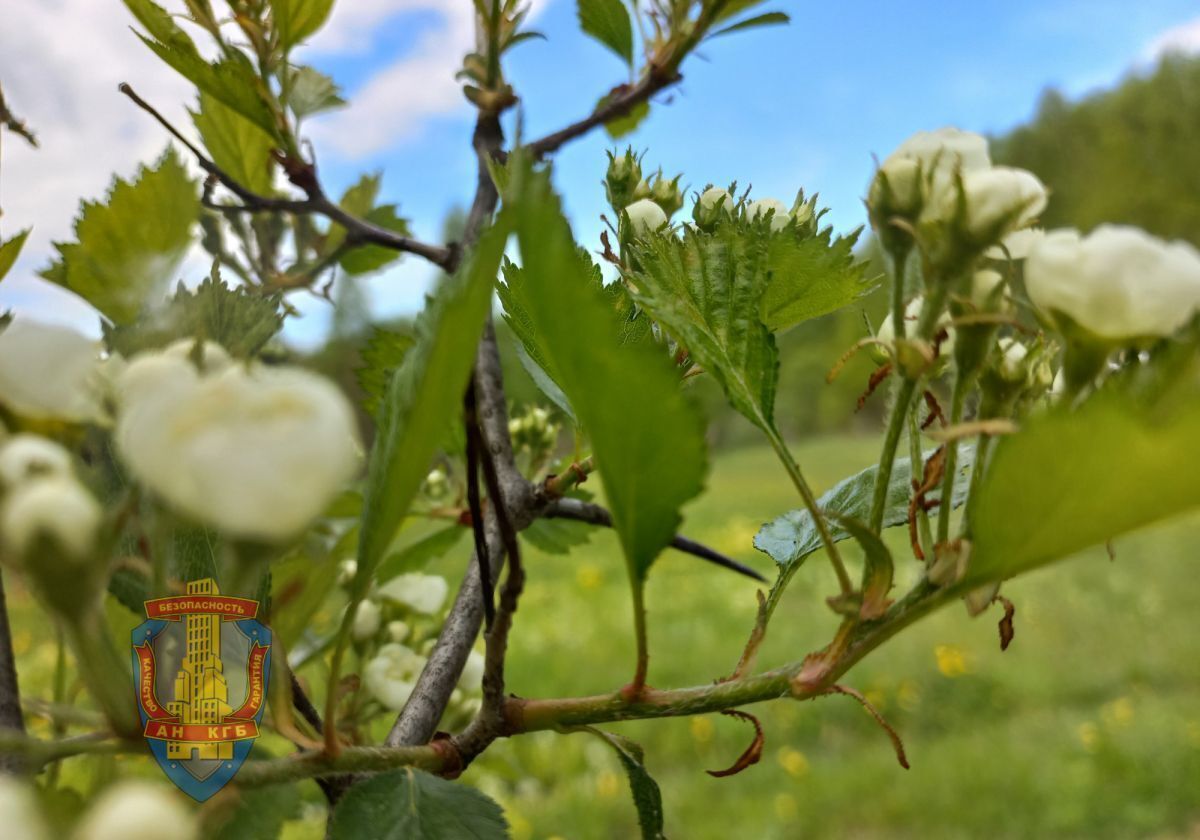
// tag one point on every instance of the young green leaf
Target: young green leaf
(619, 127)
(557, 536)
(1073, 478)
(790, 538)
(312, 92)
(233, 80)
(424, 394)
(239, 319)
(365, 259)
(646, 436)
(236, 144)
(647, 798)
(812, 277)
(381, 357)
(129, 246)
(10, 250)
(258, 814)
(608, 22)
(297, 20)
(705, 290)
(767, 19)
(413, 805)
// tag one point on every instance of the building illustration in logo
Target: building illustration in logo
(209, 655)
(201, 690)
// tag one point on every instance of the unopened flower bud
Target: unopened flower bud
(347, 569)
(995, 202)
(397, 631)
(714, 203)
(623, 177)
(366, 620)
(780, 217)
(645, 217)
(26, 456)
(55, 509)
(667, 195)
(436, 483)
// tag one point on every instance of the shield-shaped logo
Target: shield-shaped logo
(202, 662)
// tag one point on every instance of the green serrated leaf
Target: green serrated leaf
(129, 246)
(646, 436)
(1073, 478)
(236, 145)
(239, 319)
(767, 19)
(412, 805)
(792, 537)
(647, 798)
(10, 250)
(381, 357)
(811, 277)
(608, 22)
(233, 80)
(418, 555)
(297, 20)
(424, 394)
(705, 290)
(312, 92)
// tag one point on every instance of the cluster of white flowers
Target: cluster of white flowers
(44, 501)
(49, 372)
(392, 674)
(946, 177)
(533, 431)
(256, 451)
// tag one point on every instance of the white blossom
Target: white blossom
(19, 813)
(367, 619)
(779, 221)
(397, 631)
(645, 216)
(256, 451)
(57, 508)
(137, 810)
(24, 456)
(1000, 199)
(1119, 283)
(49, 372)
(1012, 358)
(419, 592)
(392, 674)
(715, 197)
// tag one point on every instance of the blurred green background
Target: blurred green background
(1088, 726)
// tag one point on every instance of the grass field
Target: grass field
(1088, 726)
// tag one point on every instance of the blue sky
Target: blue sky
(800, 106)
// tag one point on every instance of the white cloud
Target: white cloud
(60, 64)
(401, 98)
(1184, 38)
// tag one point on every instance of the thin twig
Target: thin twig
(358, 231)
(11, 718)
(593, 514)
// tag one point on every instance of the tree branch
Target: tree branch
(358, 231)
(594, 514)
(11, 719)
(626, 99)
